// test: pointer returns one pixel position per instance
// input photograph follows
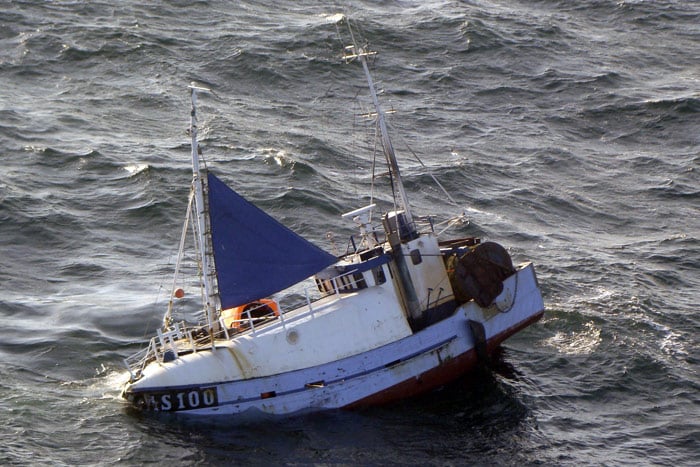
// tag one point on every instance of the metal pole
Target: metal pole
(201, 212)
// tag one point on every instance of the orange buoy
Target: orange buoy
(179, 293)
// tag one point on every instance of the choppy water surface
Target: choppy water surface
(568, 131)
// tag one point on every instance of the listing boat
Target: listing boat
(398, 314)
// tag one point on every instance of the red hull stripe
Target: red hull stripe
(447, 371)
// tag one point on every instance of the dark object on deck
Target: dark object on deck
(479, 274)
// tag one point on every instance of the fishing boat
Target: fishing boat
(400, 313)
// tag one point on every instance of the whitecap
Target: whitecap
(106, 384)
(279, 156)
(582, 342)
(135, 169)
(332, 18)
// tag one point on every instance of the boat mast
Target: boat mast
(201, 214)
(387, 146)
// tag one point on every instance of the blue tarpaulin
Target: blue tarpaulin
(255, 255)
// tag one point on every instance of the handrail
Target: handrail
(181, 333)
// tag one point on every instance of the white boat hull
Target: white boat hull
(412, 365)
(396, 317)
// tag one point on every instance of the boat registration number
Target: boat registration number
(188, 399)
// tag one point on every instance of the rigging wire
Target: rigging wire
(167, 319)
(437, 182)
(374, 167)
(462, 217)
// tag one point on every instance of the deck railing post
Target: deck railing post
(250, 321)
(308, 301)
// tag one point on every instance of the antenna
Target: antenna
(351, 53)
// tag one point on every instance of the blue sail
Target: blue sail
(255, 255)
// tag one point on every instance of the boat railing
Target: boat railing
(248, 322)
(135, 363)
(424, 224)
(346, 282)
(340, 284)
(184, 338)
(179, 338)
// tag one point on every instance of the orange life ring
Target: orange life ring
(234, 318)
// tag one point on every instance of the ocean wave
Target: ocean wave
(567, 130)
(584, 341)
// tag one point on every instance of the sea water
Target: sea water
(566, 131)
